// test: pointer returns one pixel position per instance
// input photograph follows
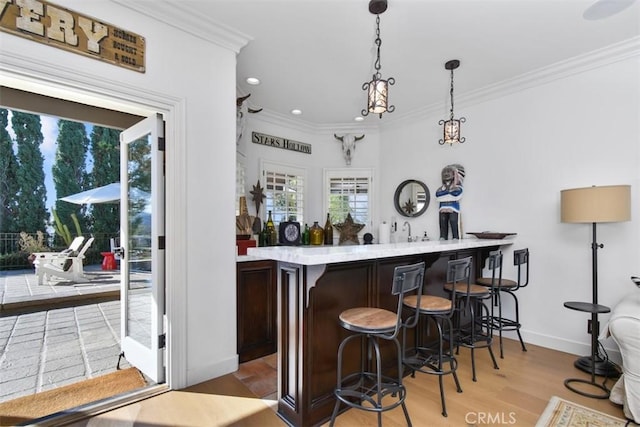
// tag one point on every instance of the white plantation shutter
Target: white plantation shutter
(284, 188)
(349, 191)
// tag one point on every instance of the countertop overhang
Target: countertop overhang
(316, 255)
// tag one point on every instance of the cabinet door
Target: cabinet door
(257, 309)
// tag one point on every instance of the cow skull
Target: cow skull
(348, 145)
(241, 115)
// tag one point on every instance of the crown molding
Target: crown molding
(301, 125)
(579, 64)
(202, 27)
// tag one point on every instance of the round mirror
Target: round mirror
(412, 198)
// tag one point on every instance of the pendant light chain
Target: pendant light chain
(378, 42)
(451, 94)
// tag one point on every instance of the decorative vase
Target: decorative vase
(316, 234)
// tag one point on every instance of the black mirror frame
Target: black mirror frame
(396, 198)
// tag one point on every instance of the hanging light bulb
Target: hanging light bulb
(451, 129)
(378, 88)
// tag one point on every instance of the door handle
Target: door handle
(119, 251)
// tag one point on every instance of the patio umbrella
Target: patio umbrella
(106, 194)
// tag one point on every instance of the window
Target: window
(284, 190)
(349, 191)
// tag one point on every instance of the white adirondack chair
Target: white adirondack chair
(59, 267)
(57, 258)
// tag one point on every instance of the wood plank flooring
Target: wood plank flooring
(516, 394)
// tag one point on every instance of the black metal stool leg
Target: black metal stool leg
(453, 363)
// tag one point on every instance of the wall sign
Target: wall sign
(275, 141)
(56, 26)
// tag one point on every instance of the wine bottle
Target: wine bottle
(263, 237)
(272, 237)
(306, 237)
(328, 231)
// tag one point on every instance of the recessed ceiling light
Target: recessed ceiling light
(296, 112)
(359, 119)
(253, 81)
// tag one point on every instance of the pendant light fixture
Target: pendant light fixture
(451, 129)
(378, 88)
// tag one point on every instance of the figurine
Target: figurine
(449, 195)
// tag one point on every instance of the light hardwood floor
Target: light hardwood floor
(516, 394)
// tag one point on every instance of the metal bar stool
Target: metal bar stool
(470, 303)
(431, 359)
(508, 287)
(367, 390)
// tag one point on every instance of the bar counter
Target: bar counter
(317, 283)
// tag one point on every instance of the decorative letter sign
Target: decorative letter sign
(276, 141)
(56, 26)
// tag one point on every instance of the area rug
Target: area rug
(48, 402)
(562, 413)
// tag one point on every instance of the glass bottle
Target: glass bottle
(306, 236)
(272, 238)
(316, 234)
(328, 231)
(263, 237)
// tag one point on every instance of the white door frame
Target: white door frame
(21, 72)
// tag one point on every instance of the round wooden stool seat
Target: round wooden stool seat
(429, 304)
(474, 290)
(504, 283)
(368, 320)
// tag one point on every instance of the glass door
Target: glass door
(142, 247)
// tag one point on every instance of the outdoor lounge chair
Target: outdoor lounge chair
(71, 268)
(57, 258)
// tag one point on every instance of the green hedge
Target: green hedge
(15, 261)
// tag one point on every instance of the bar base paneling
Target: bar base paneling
(256, 308)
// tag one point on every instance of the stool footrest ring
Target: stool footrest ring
(602, 394)
(366, 389)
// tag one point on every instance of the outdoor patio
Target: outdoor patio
(59, 333)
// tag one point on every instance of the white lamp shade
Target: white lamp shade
(378, 90)
(596, 204)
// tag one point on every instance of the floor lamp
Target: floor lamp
(594, 205)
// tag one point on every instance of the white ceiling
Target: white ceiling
(316, 54)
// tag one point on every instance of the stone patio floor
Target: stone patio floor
(44, 349)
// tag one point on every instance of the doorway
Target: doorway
(64, 313)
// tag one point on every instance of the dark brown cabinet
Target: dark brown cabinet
(257, 309)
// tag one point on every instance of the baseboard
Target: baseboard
(567, 346)
(213, 370)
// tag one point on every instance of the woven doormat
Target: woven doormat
(562, 413)
(48, 402)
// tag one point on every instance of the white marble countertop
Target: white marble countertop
(315, 255)
(247, 258)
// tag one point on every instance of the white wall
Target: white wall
(521, 150)
(192, 82)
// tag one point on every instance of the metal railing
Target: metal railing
(13, 257)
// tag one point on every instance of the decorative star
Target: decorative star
(348, 231)
(409, 207)
(258, 196)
